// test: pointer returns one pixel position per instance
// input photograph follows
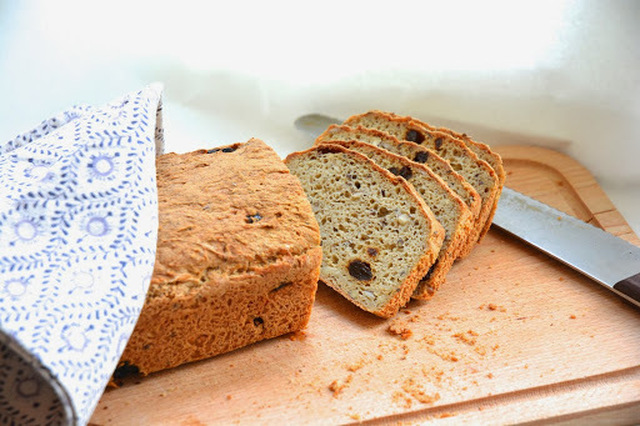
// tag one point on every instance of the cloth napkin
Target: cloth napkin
(78, 230)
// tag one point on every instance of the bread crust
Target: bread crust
(495, 161)
(237, 261)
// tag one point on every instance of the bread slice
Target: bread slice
(378, 236)
(416, 153)
(484, 152)
(452, 213)
(476, 171)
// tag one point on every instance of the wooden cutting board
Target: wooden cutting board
(512, 337)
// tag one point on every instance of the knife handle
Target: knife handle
(630, 287)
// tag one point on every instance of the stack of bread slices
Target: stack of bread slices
(398, 202)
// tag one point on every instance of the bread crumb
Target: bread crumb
(417, 391)
(492, 307)
(448, 316)
(572, 316)
(401, 399)
(467, 338)
(356, 366)
(337, 386)
(490, 375)
(229, 397)
(448, 356)
(480, 350)
(429, 340)
(401, 329)
(405, 349)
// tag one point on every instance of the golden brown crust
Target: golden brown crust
(238, 257)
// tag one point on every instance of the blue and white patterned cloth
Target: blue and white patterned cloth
(78, 229)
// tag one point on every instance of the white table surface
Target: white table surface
(564, 74)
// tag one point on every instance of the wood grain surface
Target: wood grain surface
(512, 337)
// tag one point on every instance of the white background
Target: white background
(564, 74)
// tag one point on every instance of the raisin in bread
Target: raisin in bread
(452, 213)
(417, 153)
(476, 171)
(238, 257)
(378, 237)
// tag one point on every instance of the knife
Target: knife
(599, 255)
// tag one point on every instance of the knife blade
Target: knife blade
(601, 256)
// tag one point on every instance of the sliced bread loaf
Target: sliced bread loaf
(452, 213)
(476, 171)
(484, 152)
(418, 154)
(378, 236)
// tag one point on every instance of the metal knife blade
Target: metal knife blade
(601, 256)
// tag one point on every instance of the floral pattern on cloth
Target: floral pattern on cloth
(78, 230)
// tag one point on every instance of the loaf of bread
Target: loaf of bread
(238, 257)
(452, 213)
(476, 171)
(378, 237)
(418, 154)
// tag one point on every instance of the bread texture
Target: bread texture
(416, 153)
(452, 213)
(238, 257)
(378, 236)
(484, 152)
(464, 161)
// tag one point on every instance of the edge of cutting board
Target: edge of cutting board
(595, 200)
